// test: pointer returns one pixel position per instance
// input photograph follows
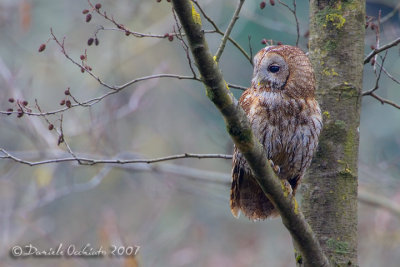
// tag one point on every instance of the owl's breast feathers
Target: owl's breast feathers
(288, 128)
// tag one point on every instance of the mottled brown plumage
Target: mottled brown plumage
(285, 117)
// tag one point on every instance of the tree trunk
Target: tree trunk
(329, 202)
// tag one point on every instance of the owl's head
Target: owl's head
(284, 69)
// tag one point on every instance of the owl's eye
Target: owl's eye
(274, 68)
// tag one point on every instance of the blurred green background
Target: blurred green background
(167, 209)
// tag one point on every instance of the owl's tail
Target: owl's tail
(248, 197)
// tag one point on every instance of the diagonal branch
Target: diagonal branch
(391, 14)
(294, 12)
(376, 87)
(372, 93)
(217, 30)
(228, 31)
(384, 100)
(378, 201)
(380, 49)
(240, 131)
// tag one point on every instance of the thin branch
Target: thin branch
(237, 86)
(294, 12)
(384, 100)
(185, 47)
(380, 49)
(194, 174)
(378, 201)
(228, 30)
(68, 190)
(241, 133)
(377, 39)
(369, 92)
(390, 14)
(91, 161)
(123, 28)
(388, 74)
(113, 88)
(250, 47)
(210, 20)
(217, 30)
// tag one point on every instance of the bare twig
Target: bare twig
(377, 38)
(378, 201)
(68, 190)
(223, 179)
(372, 93)
(228, 31)
(184, 44)
(294, 12)
(188, 172)
(391, 14)
(383, 100)
(237, 86)
(382, 48)
(377, 79)
(250, 47)
(61, 139)
(113, 88)
(388, 74)
(217, 30)
(122, 27)
(91, 161)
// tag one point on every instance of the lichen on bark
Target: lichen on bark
(330, 188)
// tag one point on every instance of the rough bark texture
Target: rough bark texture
(240, 131)
(330, 189)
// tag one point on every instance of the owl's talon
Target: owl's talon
(276, 168)
(288, 187)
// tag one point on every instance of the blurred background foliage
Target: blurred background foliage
(176, 218)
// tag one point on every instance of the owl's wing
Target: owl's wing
(246, 99)
(305, 144)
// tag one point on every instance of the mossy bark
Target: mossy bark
(240, 131)
(329, 190)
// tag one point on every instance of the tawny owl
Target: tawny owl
(286, 119)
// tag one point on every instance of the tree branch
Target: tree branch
(378, 201)
(240, 131)
(383, 100)
(372, 93)
(380, 49)
(194, 174)
(113, 88)
(91, 161)
(228, 31)
(388, 74)
(391, 14)
(294, 12)
(217, 30)
(376, 87)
